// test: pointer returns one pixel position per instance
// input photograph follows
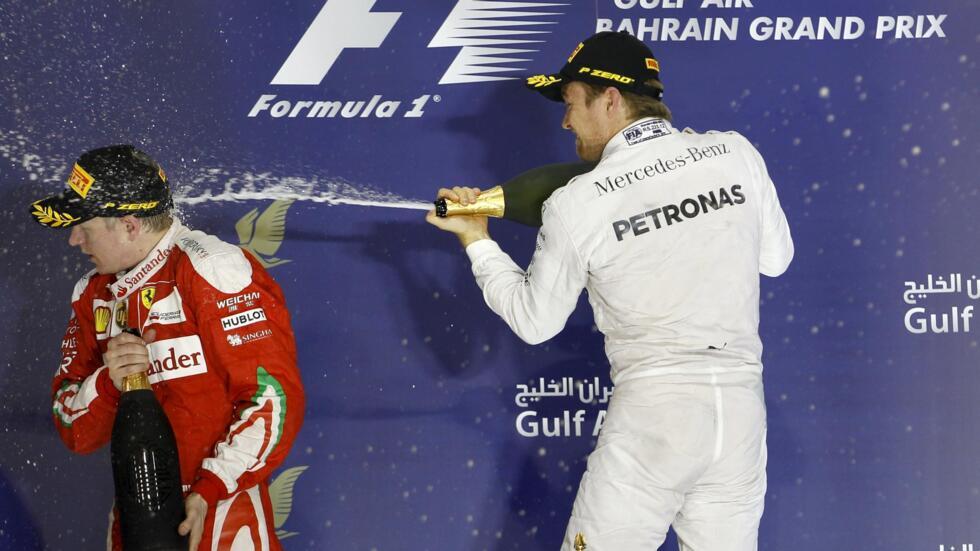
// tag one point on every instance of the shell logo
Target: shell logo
(102, 315)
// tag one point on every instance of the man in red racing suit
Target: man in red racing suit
(222, 363)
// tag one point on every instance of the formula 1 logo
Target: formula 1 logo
(340, 24)
(493, 36)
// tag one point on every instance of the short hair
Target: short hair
(639, 106)
(150, 224)
(158, 222)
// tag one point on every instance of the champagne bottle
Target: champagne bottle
(520, 198)
(579, 542)
(146, 470)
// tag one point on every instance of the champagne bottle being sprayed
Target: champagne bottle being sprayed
(520, 198)
(146, 470)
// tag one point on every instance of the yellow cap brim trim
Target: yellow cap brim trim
(52, 218)
(540, 81)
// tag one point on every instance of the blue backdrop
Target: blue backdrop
(429, 425)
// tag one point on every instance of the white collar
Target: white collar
(129, 281)
(638, 132)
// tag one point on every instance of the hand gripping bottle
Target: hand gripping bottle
(520, 198)
(146, 470)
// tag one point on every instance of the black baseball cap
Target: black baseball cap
(608, 58)
(112, 181)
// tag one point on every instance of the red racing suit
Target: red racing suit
(223, 366)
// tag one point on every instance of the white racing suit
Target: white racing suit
(668, 234)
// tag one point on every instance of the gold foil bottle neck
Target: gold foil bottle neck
(138, 381)
(488, 203)
(579, 542)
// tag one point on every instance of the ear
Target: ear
(132, 225)
(613, 99)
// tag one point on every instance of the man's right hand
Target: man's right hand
(468, 228)
(126, 355)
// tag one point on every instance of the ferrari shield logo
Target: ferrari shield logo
(147, 295)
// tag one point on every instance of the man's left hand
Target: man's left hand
(468, 228)
(196, 509)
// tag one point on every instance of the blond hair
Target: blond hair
(157, 222)
(149, 224)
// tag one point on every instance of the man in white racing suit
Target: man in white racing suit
(668, 234)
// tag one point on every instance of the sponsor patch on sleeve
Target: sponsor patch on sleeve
(102, 314)
(234, 303)
(168, 310)
(176, 358)
(242, 319)
(240, 339)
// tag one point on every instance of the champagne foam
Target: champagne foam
(197, 186)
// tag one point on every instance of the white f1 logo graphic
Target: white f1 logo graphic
(340, 24)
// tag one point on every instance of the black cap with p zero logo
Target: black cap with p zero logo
(608, 59)
(112, 181)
